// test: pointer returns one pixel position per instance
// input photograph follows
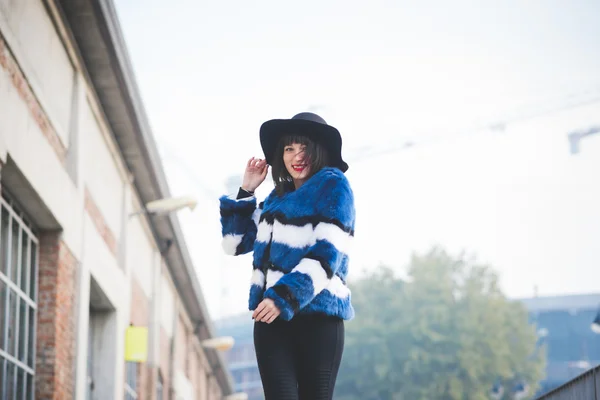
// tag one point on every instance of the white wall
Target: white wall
(167, 305)
(103, 266)
(42, 56)
(35, 157)
(140, 256)
(101, 175)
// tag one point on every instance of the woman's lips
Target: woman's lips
(298, 168)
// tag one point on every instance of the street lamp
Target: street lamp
(576, 136)
(168, 205)
(222, 343)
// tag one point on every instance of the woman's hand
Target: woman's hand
(255, 174)
(266, 311)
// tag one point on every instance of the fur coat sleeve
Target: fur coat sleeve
(239, 221)
(333, 222)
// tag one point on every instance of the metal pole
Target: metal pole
(576, 136)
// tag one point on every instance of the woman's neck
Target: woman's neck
(298, 183)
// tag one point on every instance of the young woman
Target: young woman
(300, 236)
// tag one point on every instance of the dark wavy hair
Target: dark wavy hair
(315, 155)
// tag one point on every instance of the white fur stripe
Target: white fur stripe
(334, 235)
(316, 272)
(293, 236)
(337, 287)
(273, 277)
(305, 236)
(258, 278)
(256, 216)
(264, 232)
(230, 243)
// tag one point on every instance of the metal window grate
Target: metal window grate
(18, 303)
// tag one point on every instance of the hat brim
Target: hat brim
(272, 131)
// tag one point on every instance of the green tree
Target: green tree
(448, 332)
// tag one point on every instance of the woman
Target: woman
(300, 236)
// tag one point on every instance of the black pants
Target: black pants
(299, 359)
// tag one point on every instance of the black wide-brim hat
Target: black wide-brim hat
(304, 124)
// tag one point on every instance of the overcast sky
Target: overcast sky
(384, 73)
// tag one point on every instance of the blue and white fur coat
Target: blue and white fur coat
(300, 241)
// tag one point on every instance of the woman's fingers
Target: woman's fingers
(256, 163)
(266, 312)
(258, 310)
(262, 315)
(267, 316)
(261, 311)
(272, 317)
(263, 175)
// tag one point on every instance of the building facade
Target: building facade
(80, 264)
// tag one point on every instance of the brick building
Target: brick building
(78, 265)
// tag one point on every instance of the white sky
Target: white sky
(386, 72)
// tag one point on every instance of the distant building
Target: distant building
(241, 359)
(564, 325)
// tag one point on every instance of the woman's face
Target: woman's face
(295, 162)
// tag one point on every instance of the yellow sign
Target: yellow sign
(136, 344)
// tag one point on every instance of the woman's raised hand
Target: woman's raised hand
(255, 174)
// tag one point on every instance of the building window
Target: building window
(131, 381)
(159, 388)
(18, 303)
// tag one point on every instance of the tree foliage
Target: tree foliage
(448, 332)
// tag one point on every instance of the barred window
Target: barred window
(131, 380)
(18, 307)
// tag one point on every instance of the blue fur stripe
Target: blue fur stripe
(236, 219)
(327, 303)
(308, 233)
(287, 311)
(256, 296)
(329, 257)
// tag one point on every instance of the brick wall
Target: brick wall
(56, 329)
(8, 63)
(139, 317)
(99, 222)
